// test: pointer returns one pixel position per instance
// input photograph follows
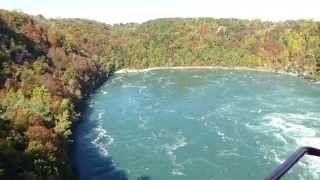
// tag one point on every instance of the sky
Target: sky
(124, 11)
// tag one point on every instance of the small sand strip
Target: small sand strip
(124, 71)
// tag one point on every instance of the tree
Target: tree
(40, 104)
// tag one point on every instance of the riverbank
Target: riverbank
(127, 70)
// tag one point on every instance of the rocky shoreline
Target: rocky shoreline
(128, 70)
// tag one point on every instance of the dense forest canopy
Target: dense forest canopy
(48, 66)
(291, 46)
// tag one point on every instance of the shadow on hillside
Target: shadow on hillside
(12, 39)
(88, 161)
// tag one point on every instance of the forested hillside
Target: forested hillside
(47, 67)
(44, 74)
(291, 46)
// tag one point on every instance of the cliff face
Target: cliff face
(47, 67)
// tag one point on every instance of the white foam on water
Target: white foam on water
(289, 126)
(205, 148)
(190, 117)
(143, 122)
(154, 137)
(281, 138)
(100, 115)
(141, 90)
(276, 156)
(133, 86)
(205, 119)
(294, 132)
(177, 171)
(229, 152)
(221, 134)
(225, 107)
(165, 82)
(170, 149)
(132, 100)
(169, 83)
(160, 79)
(196, 76)
(102, 140)
(103, 92)
(164, 110)
(313, 166)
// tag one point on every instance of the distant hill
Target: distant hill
(291, 46)
(48, 67)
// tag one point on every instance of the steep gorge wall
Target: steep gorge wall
(47, 67)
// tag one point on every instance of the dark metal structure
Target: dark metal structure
(291, 161)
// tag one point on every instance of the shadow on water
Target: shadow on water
(144, 178)
(87, 159)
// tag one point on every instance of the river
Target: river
(206, 124)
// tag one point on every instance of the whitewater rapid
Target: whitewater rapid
(198, 123)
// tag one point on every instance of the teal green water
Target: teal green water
(198, 124)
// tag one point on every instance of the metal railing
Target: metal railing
(291, 161)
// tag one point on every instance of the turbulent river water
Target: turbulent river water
(200, 124)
